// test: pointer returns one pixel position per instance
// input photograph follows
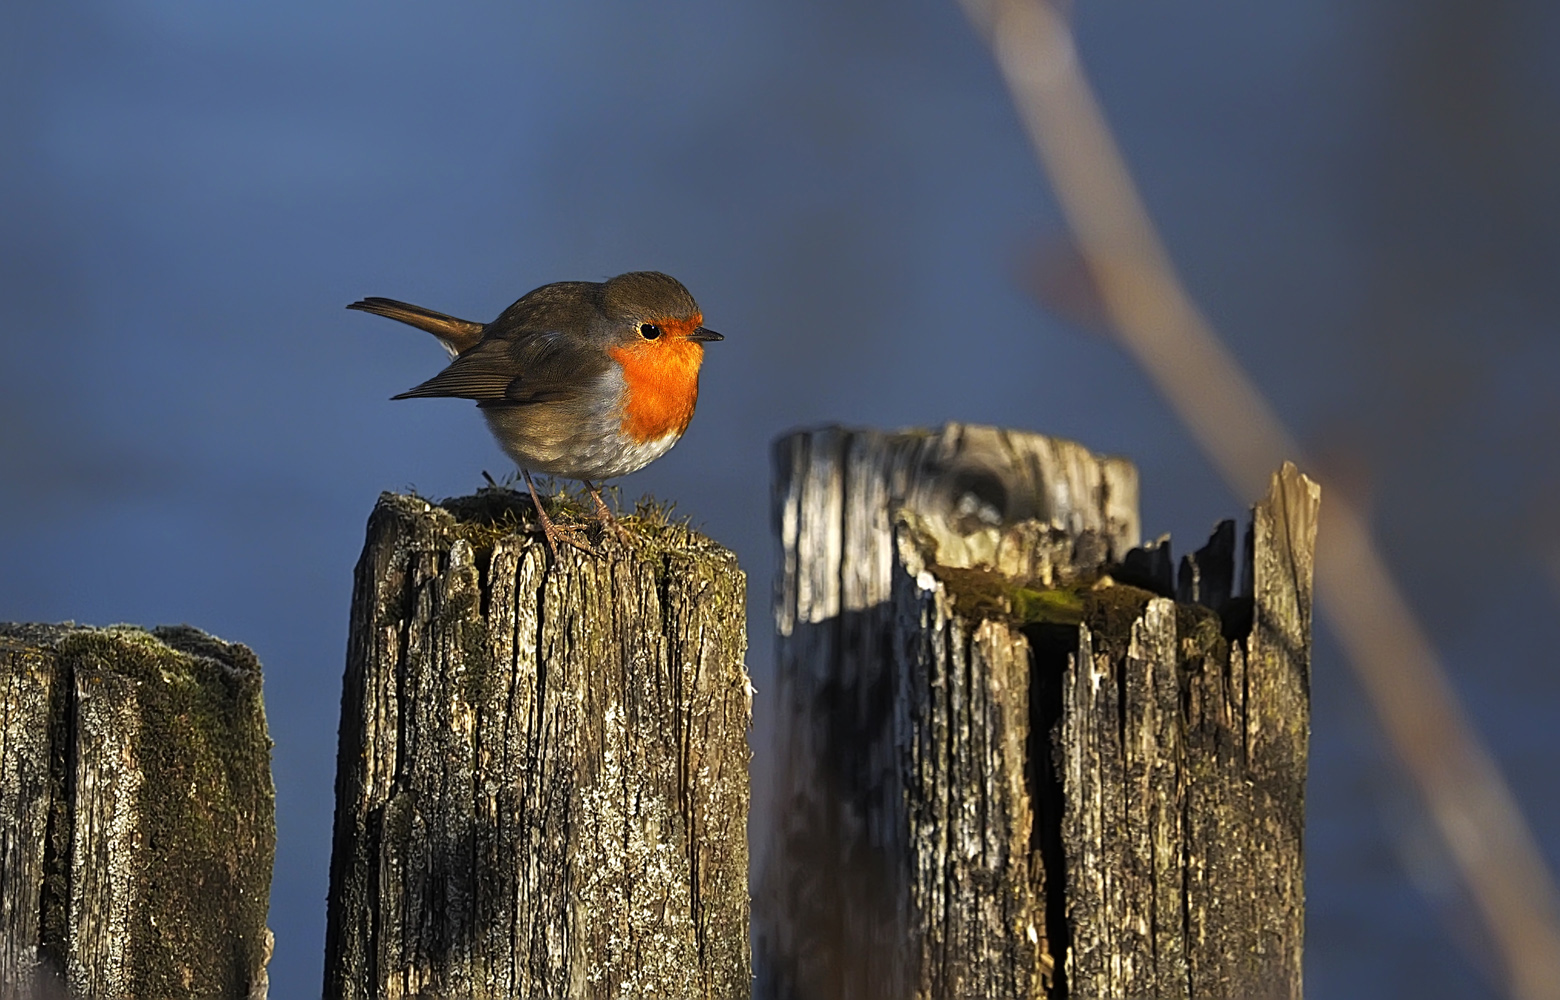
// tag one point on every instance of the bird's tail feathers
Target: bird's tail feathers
(456, 334)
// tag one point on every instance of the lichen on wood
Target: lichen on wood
(137, 814)
(542, 782)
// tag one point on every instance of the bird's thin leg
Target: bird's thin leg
(608, 520)
(554, 533)
(602, 510)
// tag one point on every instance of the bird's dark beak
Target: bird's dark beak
(702, 334)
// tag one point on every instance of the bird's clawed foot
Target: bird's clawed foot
(571, 535)
(554, 532)
(568, 535)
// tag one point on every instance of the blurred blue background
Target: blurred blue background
(1361, 194)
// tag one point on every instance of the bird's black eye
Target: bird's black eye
(649, 331)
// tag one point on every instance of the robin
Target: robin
(580, 379)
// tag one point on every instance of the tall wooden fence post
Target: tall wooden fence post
(137, 815)
(542, 783)
(1011, 765)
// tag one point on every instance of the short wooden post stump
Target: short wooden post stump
(1012, 763)
(137, 815)
(542, 784)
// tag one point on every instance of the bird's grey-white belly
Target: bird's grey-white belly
(559, 439)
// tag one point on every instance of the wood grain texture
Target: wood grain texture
(104, 883)
(901, 863)
(542, 783)
(28, 794)
(972, 910)
(138, 830)
(1005, 772)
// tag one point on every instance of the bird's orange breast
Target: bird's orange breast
(660, 381)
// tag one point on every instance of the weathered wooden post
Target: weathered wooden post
(1010, 764)
(542, 783)
(137, 815)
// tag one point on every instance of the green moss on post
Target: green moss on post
(137, 797)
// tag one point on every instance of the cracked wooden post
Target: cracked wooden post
(1010, 764)
(137, 815)
(542, 783)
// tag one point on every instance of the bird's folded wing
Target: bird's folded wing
(543, 367)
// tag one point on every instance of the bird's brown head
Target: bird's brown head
(657, 335)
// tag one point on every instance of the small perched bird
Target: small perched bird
(580, 379)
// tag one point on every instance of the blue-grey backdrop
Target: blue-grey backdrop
(1360, 193)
